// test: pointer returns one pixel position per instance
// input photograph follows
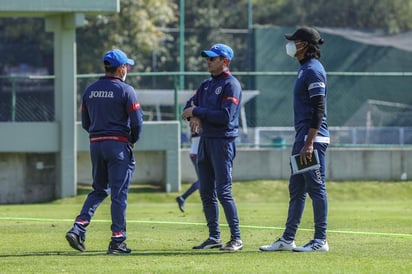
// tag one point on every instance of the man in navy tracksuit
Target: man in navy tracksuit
(309, 98)
(214, 113)
(113, 118)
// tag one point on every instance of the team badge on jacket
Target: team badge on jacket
(218, 90)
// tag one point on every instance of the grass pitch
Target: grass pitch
(369, 232)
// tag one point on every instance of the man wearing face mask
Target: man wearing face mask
(113, 118)
(309, 98)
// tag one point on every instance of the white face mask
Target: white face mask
(291, 49)
(124, 76)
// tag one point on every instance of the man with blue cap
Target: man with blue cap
(213, 112)
(112, 116)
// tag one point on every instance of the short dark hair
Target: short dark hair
(108, 68)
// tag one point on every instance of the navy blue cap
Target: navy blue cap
(218, 50)
(117, 58)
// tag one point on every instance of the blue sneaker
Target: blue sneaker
(233, 245)
(181, 203)
(209, 243)
(314, 245)
(118, 248)
(75, 241)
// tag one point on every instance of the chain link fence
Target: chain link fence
(31, 99)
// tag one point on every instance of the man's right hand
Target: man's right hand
(195, 124)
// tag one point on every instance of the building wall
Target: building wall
(26, 178)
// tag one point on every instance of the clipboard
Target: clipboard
(297, 167)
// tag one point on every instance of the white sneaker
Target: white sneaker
(279, 245)
(314, 245)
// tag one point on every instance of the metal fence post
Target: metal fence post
(13, 99)
(176, 103)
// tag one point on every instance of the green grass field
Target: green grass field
(370, 231)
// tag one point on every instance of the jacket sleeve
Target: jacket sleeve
(136, 116)
(192, 100)
(85, 116)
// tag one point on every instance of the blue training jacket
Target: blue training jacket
(110, 108)
(311, 81)
(218, 101)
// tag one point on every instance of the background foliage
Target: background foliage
(149, 29)
(391, 16)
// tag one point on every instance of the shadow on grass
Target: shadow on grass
(95, 253)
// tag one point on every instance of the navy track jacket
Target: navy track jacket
(110, 108)
(218, 101)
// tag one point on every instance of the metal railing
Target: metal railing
(356, 136)
(31, 98)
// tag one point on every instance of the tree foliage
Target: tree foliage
(137, 30)
(227, 21)
(210, 22)
(391, 16)
(148, 30)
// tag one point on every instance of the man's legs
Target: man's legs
(297, 198)
(121, 166)
(77, 234)
(224, 151)
(207, 187)
(316, 188)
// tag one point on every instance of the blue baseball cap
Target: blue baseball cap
(219, 50)
(117, 58)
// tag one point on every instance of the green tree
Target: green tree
(209, 22)
(148, 30)
(137, 30)
(391, 16)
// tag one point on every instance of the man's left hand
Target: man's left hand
(188, 113)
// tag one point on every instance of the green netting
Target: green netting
(347, 93)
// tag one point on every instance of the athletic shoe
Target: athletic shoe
(181, 203)
(75, 241)
(209, 243)
(314, 245)
(118, 248)
(279, 245)
(233, 245)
